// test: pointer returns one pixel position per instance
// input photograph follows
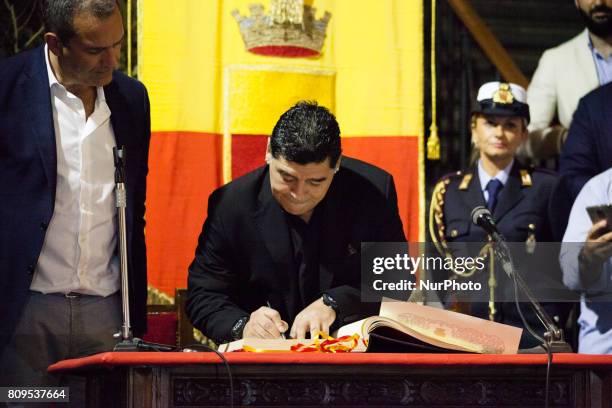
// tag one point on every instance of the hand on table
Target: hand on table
(315, 317)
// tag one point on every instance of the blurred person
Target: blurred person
(588, 149)
(587, 265)
(566, 73)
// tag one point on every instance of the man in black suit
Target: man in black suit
(63, 108)
(280, 249)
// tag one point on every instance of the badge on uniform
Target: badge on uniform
(530, 244)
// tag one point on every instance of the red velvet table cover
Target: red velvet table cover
(114, 359)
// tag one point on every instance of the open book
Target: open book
(411, 327)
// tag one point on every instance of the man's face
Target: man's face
(91, 55)
(597, 16)
(298, 188)
(498, 137)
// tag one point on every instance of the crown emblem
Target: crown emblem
(289, 30)
(503, 95)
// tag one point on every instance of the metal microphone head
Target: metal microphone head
(478, 213)
(118, 155)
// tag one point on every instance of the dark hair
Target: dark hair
(306, 133)
(58, 15)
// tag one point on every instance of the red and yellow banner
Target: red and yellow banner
(214, 103)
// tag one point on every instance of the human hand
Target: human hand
(265, 323)
(315, 317)
(598, 246)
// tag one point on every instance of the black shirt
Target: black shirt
(305, 243)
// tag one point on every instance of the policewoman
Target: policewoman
(517, 196)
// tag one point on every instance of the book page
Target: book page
(443, 328)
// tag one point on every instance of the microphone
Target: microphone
(555, 341)
(119, 159)
(482, 217)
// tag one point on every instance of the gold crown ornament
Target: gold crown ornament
(289, 30)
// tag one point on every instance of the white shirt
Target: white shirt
(484, 177)
(79, 251)
(595, 319)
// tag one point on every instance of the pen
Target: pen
(270, 306)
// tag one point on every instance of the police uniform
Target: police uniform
(521, 215)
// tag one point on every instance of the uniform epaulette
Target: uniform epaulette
(526, 180)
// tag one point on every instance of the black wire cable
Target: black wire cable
(195, 347)
(544, 340)
(149, 346)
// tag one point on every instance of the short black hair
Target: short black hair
(58, 15)
(306, 133)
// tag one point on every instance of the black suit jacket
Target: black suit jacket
(588, 149)
(521, 211)
(28, 172)
(244, 257)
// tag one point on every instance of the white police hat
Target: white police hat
(503, 99)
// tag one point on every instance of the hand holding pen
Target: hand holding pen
(265, 323)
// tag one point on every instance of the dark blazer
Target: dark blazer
(244, 257)
(588, 149)
(522, 211)
(28, 171)
(517, 207)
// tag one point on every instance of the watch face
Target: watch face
(329, 301)
(238, 328)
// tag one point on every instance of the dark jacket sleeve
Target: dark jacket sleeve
(139, 250)
(579, 158)
(213, 278)
(387, 227)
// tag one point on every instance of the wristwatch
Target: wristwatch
(330, 301)
(238, 328)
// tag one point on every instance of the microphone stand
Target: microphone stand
(553, 336)
(127, 343)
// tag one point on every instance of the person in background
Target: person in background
(565, 74)
(517, 196)
(587, 265)
(588, 150)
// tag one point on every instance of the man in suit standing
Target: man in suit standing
(280, 249)
(565, 74)
(63, 108)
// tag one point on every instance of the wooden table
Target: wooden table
(353, 379)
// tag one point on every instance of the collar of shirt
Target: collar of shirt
(55, 85)
(599, 46)
(502, 175)
(601, 50)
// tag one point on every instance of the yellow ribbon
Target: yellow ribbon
(322, 343)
